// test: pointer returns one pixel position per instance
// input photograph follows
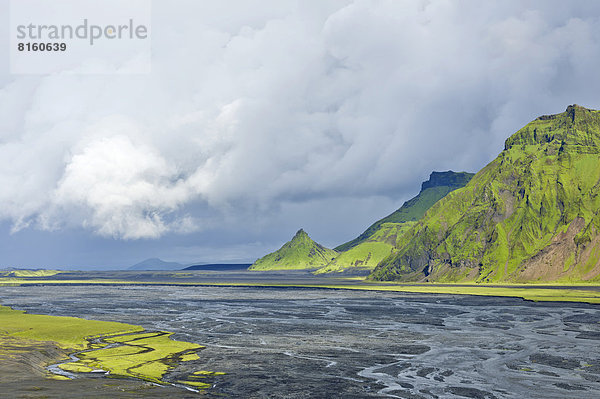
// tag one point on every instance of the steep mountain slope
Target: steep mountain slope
(379, 240)
(299, 253)
(532, 214)
(438, 186)
(369, 252)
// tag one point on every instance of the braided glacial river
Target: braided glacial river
(315, 343)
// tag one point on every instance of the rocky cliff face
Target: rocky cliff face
(446, 179)
(532, 214)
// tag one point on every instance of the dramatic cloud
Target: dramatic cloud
(252, 107)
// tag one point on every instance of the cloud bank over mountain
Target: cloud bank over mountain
(254, 107)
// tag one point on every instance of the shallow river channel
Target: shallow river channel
(316, 343)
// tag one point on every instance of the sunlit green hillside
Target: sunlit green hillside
(532, 214)
(380, 239)
(299, 253)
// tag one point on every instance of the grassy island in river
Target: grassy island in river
(122, 350)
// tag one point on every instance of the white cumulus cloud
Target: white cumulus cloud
(254, 105)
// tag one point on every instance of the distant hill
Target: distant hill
(380, 239)
(531, 215)
(220, 266)
(299, 253)
(156, 264)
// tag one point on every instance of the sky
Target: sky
(261, 117)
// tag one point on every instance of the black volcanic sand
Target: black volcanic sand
(309, 343)
(242, 277)
(22, 375)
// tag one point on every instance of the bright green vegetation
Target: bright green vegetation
(58, 377)
(29, 273)
(12, 281)
(531, 215)
(67, 332)
(196, 384)
(76, 367)
(381, 238)
(189, 356)
(299, 253)
(200, 375)
(527, 292)
(203, 373)
(371, 251)
(432, 190)
(147, 355)
(139, 354)
(531, 291)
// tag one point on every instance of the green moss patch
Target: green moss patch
(138, 354)
(67, 332)
(147, 355)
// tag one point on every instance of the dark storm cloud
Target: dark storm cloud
(270, 112)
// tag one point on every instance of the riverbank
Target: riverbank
(559, 292)
(29, 343)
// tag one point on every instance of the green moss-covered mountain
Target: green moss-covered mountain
(438, 186)
(530, 215)
(299, 253)
(379, 240)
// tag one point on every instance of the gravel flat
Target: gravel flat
(311, 343)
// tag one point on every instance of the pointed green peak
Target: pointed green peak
(301, 252)
(301, 233)
(301, 237)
